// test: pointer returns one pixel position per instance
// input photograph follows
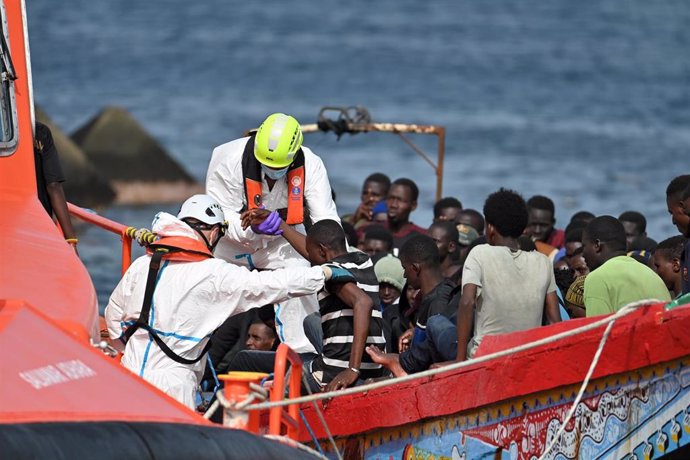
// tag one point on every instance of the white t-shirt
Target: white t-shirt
(511, 289)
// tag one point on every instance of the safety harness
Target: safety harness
(251, 170)
(181, 249)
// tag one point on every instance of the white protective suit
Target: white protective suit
(225, 183)
(190, 301)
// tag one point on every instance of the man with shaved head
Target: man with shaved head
(615, 279)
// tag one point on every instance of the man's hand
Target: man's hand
(343, 380)
(253, 217)
(262, 221)
(405, 340)
(364, 211)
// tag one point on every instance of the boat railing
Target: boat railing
(278, 416)
(91, 217)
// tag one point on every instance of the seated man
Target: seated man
(634, 224)
(447, 210)
(261, 337)
(178, 294)
(377, 240)
(467, 235)
(348, 320)
(615, 279)
(391, 278)
(540, 224)
(678, 204)
(446, 236)
(472, 218)
(420, 260)
(401, 201)
(374, 191)
(666, 261)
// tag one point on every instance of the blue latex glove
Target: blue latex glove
(270, 226)
(337, 274)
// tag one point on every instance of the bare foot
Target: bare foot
(388, 360)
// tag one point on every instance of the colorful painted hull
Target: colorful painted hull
(637, 407)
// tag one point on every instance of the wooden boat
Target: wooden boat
(637, 405)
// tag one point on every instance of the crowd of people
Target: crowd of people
(265, 257)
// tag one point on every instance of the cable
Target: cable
(311, 432)
(321, 418)
(580, 393)
(459, 365)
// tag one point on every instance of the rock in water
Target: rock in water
(137, 166)
(83, 185)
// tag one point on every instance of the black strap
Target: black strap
(143, 320)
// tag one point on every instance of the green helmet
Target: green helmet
(278, 139)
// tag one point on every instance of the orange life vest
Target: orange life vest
(181, 249)
(253, 177)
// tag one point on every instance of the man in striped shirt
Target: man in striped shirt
(348, 320)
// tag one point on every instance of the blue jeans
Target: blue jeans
(441, 344)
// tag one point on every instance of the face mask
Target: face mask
(274, 174)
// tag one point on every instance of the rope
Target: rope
(295, 444)
(258, 393)
(321, 418)
(143, 236)
(583, 387)
(311, 432)
(458, 365)
(212, 410)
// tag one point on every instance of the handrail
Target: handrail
(401, 129)
(92, 218)
(277, 416)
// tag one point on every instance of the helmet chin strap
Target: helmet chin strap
(211, 247)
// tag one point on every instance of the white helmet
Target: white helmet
(202, 208)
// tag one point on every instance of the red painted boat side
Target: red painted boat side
(648, 336)
(49, 375)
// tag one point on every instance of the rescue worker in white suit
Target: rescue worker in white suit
(271, 170)
(167, 324)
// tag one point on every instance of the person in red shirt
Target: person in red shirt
(401, 201)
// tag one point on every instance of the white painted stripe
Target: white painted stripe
(366, 264)
(337, 314)
(346, 364)
(347, 312)
(351, 338)
(368, 287)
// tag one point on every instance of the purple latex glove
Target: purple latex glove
(270, 226)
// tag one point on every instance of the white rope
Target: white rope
(292, 443)
(459, 365)
(212, 410)
(258, 393)
(580, 393)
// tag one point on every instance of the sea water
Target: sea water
(586, 102)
